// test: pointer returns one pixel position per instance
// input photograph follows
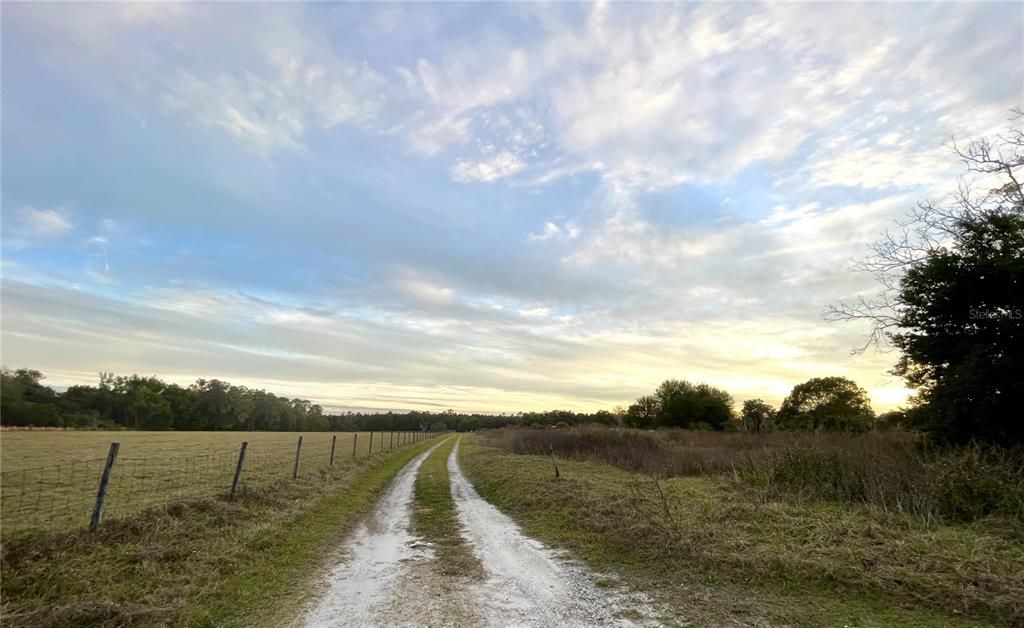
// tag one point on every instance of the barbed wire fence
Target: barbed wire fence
(84, 493)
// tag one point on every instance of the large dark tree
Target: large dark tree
(24, 400)
(757, 415)
(688, 405)
(962, 332)
(643, 413)
(953, 299)
(826, 403)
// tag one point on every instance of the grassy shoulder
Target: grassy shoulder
(717, 553)
(204, 562)
(435, 518)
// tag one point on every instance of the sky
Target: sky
(485, 207)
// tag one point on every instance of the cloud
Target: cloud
(421, 289)
(528, 361)
(551, 230)
(622, 237)
(274, 111)
(503, 164)
(32, 227)
(43, 223)
(435, 136)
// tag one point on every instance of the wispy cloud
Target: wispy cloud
(551, 231)
(501, 165)
(42, 223)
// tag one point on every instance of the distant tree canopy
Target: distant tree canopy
(643, 413)
(826, 403)
(757, 415)
(25, 400)
(137, 402)
(678, 403)
(952, 299)
(148, 403)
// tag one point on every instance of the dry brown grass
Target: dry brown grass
(683, 452)
(886, 470)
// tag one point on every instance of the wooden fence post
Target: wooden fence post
(298, 452)
(238, 469)
(334, 442)
(355, 439)
(101, 494)
(370, 450)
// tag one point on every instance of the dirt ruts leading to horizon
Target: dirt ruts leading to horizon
(385, 575)
(374, 557)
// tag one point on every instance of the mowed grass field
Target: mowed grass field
(49, 478)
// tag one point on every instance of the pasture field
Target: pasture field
(37, 448)
(49, 478)
(198, 562)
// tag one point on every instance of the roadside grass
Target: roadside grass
(200, 562)
(716, 552)
(435, 517)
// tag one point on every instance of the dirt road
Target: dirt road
(385, 577)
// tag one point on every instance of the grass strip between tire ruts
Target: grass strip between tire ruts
(436, 519)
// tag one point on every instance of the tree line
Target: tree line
(149, 403)
(821, 403)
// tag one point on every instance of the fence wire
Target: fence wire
(62, 497)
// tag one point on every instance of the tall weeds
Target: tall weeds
(886, 470)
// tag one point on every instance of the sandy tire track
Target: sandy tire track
(375, 556)
(528, 584)
(387, 576)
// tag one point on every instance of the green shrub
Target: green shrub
(974, 482)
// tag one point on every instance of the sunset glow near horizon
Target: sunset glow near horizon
(491, 207)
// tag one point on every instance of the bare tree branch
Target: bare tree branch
(931, 227)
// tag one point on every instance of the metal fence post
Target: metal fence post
(238, 469)
(334, 442)
(370, 451)
(101, 494)
(355, 439)
(298, 452)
